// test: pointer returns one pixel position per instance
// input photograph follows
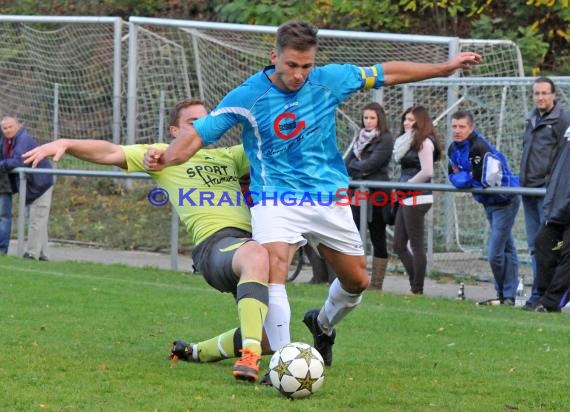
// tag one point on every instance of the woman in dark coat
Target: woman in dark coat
(368, 159)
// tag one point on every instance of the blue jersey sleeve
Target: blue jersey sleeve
(212, 127)
(371, 77)
(348, 79)
(229, 112)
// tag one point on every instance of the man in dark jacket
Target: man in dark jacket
(552, 245)
(475, 163)
(5, 207)
(544, 135)
(16, 142)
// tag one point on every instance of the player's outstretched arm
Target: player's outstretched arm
(396, 72)
(95, 151)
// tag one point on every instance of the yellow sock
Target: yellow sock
(252, 298)
(217, 348)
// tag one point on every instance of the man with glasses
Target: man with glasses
(543, 137)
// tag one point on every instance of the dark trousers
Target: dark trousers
(376, 227)
(552, 249)
(410, 227)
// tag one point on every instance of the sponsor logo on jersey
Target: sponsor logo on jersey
(286, 126)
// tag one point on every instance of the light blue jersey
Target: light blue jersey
(290, 138)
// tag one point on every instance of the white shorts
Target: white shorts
(330, 225)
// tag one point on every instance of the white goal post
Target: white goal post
(104, 78)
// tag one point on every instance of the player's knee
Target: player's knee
(365, 283)
(252, 261)
(258, 253)
(361, 284)
(357, 282)
(360, 276)
(278, 262)
(258, 258)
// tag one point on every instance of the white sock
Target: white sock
(278, 317)
(338, 304)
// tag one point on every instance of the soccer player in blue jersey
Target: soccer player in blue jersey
(287, 112)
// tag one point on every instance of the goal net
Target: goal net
(58, 77)
(220, 57)
(61, 79)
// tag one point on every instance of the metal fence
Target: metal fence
(21, 225)
(432, 256)
(104, 78)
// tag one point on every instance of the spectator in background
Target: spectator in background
(475, 163)
(368, 158)
(18, 141)
(5, 206)
(543, 136)
(552, 243)
(416, 150)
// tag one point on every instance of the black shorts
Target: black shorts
(213, 258)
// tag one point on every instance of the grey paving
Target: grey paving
(394, 283)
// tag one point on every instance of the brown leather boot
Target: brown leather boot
(379, 266)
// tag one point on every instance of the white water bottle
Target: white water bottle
(461, 291)
(520, 297)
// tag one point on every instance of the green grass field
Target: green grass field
(89, 337)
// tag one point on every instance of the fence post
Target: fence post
(429, 265)
(132, 84)
(117, 67)
(161, 109)
(198, 64)
(55, 111)
(174, 222)
(21, 212)
(448, 202)
(363, 218)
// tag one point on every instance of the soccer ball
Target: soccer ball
(297, 370)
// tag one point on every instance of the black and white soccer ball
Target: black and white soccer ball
(297, 370)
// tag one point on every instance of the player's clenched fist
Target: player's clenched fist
(154, 159)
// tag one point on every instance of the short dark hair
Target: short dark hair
(174, 116)
(296, 34)
(543, 79)
(463, 114)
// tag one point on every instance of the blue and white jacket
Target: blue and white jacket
(480, 165)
